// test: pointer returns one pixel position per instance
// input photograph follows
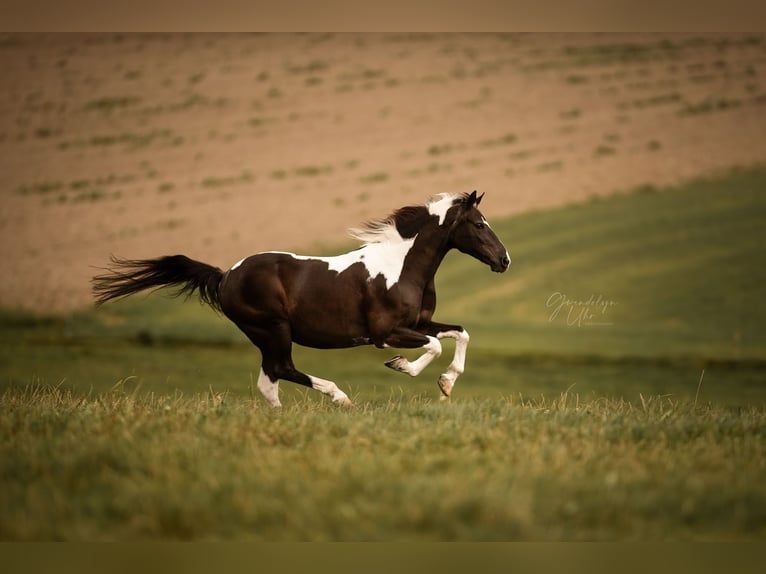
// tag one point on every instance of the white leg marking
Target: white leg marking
(330, 388)
(457, 366)
(433, 350)
(269, 389)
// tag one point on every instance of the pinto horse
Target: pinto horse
(381, 294)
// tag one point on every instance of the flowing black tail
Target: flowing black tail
(126, 277)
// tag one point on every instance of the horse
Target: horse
(380, 294)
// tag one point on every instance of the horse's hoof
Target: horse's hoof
(445, 384)
(396, 363)
(343, 402)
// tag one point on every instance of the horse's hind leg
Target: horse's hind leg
(269, 388)
(276, 348)
(286, 370)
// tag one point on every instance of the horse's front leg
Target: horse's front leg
(457, 366)
(404, 338)
(427, 335)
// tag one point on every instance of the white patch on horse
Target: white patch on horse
(330, 388)
(441, 206)
(385, 257)
(485, 222)
(237, 264)
(269, 389)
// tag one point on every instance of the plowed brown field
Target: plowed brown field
(219, 146)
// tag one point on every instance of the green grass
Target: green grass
(109, 104)
(40, 188)
(141, 420)
(577, 79)
(130, 140)
(678, 265)
(506, 139)
(132, 466)
(551, 166)
(214, 182)
(631, 53)
(570, 114)
(708, 105)
(658, 100)
(374, 178)
(312, 67)
(313, 170)
(78, 190)
(440, 149)
(604, 150)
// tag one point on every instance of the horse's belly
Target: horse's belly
(331, 330)
(328, 313)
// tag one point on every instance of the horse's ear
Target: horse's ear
(472, 200)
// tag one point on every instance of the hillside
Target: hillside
(653, 287)
(218, 146)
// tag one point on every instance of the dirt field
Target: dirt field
(219, 146)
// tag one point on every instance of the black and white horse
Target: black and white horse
(381, 294)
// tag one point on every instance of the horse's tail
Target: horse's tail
(125, 277)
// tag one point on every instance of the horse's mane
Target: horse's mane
(403, 223)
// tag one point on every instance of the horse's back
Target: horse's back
(252, 287)
(324, 307)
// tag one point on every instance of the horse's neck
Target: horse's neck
(425, 257)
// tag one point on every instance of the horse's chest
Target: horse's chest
(405, 304)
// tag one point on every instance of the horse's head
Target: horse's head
(471, 234)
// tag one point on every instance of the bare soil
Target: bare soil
(219, 146)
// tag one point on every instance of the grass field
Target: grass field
(583, 412)
(123, 466)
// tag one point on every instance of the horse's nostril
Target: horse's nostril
(505, 261)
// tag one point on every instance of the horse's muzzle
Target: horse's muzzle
(502, 264)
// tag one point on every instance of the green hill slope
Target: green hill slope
(652, 273)
(636, 293)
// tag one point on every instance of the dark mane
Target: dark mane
(409, 219)
(405, 220)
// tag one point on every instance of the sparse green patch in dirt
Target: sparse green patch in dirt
(110, 104)
(129, 140)
(242, 178)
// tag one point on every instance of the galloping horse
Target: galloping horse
(381, 294)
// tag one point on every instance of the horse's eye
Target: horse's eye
(479, 225)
